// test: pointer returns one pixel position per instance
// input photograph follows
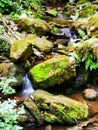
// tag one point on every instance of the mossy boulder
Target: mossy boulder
(53, 71)
(10, 70)
(92, 28)
(40, 43)
(59, 108)
(31, 106)
(20, 50)
(30, 25)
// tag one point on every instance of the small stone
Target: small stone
(90, 94)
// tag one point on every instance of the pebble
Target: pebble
(90, 94)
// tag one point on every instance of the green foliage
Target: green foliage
(52, 12)
(55, 30)
(7, 6)
(81, 32)
(4, 46)
(90, 61)
(87, 57)
(32, 4)
(9, 114)
(5, 85)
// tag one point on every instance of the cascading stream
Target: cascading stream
(27, 88)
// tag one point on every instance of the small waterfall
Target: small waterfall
(71, 35)
(27, 88)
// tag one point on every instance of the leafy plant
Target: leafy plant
(5, 85)
(7, 6)
(81, 32)
(32, 4)
(4, 46)
(90, 60)
(9, 114)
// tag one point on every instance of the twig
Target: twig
(4, 23)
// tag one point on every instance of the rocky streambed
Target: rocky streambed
(54, 61)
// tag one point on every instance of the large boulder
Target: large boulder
(53, 71)
(22, 49)
(38, 26)
(58, 108)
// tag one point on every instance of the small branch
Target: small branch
(4, 23)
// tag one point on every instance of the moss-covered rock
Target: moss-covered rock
(53, 71)
(31, 106)
(87, 11)
(20, 50)
(92, 28)
(58, 108)
(30, 25)
(42, 44)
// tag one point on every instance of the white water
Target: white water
(27, 88)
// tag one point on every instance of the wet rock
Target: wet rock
(42, 44)
(31, 106)
(81, 78)
(53, 71)
(10, 70)
(38, 26)
(20, 50)
(90, 94)
(60, 109)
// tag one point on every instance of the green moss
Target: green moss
(52, 71)
(20, 50)
(60, 108)
(33, 109)
(50, 118)
(87, 11)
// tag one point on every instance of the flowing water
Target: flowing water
(27, 88)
